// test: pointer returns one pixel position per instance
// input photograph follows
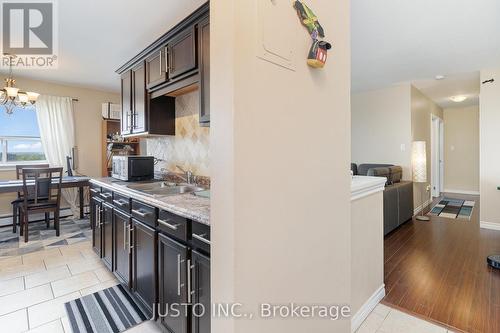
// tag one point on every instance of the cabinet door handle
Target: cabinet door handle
(161, 62)
(140, 213)
(171, 57)
(189, 291)
(178, 275)
(125, 237)
(131, 242)
(120, 202)
(130, 239)
(201, 238)
(98, 217)
(96, 225)
(168, 225)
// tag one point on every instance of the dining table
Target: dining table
(79, 182)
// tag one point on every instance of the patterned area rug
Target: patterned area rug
(110, 310)
(72, 231)
(453, 209)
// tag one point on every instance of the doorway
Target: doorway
(437, 156)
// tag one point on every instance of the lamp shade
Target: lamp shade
(419, 162)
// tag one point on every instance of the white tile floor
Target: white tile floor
(35, 286)
(384, 319)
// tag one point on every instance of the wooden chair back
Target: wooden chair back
(41, 184)
(19, 172)
(20, 167)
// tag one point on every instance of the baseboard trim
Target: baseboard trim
(461, 191)
(489, 225)
(360, 316)
(419, 208)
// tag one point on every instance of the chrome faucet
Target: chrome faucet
(188, 175)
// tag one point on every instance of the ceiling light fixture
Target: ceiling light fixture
(11, 97)
(458, 98)
(440, 77)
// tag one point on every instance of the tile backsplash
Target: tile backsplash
(190, 147)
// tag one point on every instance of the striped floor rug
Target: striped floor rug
(453, 209)
(109, 310)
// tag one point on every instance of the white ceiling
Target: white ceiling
(96, 37)
(399, 41)
(466, 84)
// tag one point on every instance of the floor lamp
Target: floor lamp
(419, 165)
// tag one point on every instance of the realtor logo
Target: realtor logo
(29, 31)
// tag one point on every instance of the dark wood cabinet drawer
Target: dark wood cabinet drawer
(107, 195)
(200, 236)
(172, 225)
(121, 202)
(144, 213)
(95, 191)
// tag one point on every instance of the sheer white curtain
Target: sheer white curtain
(57, 132)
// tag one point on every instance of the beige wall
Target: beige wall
(87, 113)
(271, 125)
(367, 230)
(381, 125)
(190, 147)
(489, 152)
(422, 109)
(461, 149)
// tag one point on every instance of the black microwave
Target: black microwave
(133, 168)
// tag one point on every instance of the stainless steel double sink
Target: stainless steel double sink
(160, 188)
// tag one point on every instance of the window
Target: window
(20, 138)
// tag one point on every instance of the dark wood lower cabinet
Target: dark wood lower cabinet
(200, 319)
(143, 264)
(107, 235)
(167, 269)
(172, 277)
(95, 221)
(122, 255)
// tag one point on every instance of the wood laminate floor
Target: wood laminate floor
(437, 270)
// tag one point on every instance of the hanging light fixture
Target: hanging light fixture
(11, 97)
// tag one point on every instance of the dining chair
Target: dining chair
(41, 194)
(16, 210)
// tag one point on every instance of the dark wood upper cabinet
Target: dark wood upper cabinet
(139, 104)
(204, 58)
(181, 53)
(126, 101)
(175, 64)
(156, 68)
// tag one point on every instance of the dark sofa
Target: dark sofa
(398, 194)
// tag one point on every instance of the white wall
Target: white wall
(279, 237)
(367, 250)
(489, 121)
(461, 149)
(381, 125)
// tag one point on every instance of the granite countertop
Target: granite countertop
(186, 205)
